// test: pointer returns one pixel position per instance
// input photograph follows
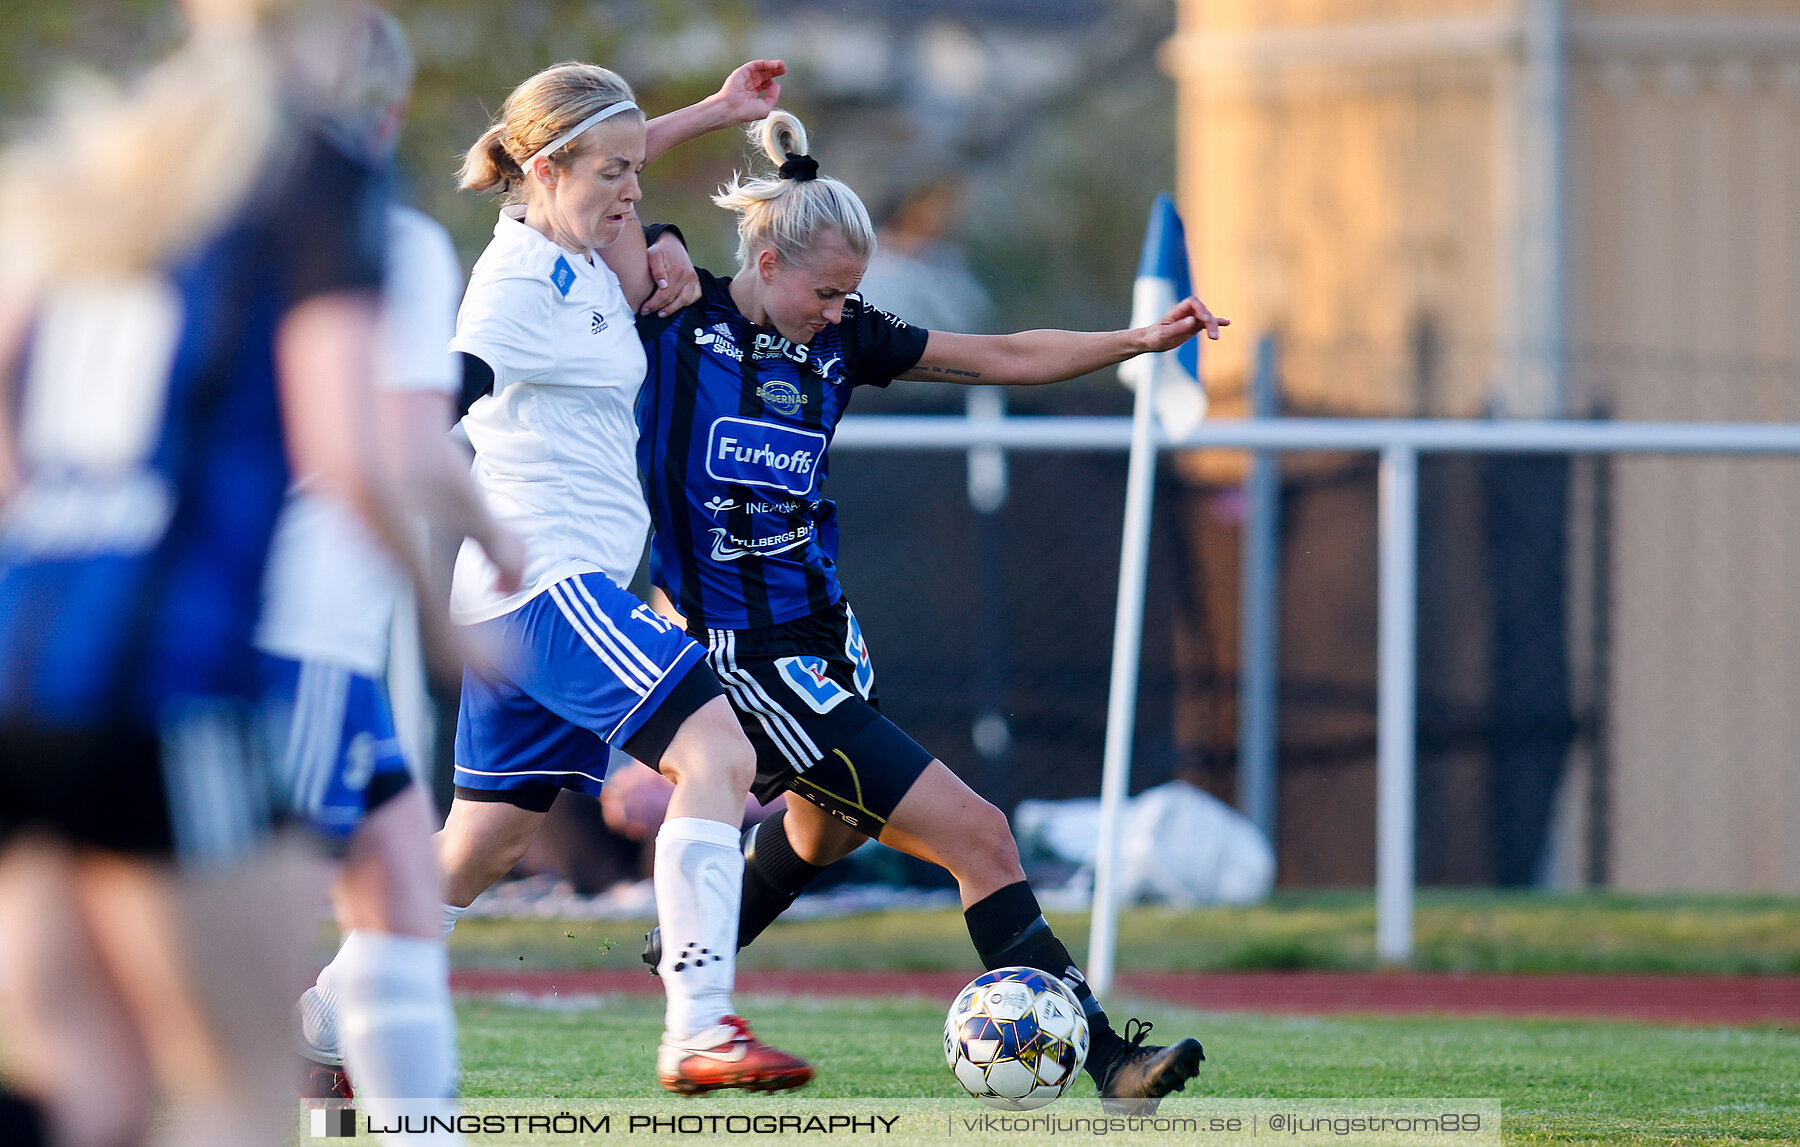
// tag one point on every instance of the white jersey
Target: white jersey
(556, 443)
(330, 590)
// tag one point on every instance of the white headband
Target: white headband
(562, 140)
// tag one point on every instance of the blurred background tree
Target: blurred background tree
(1051, 115)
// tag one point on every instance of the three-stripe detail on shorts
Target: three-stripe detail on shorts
(749, 696)
(628, 663)
(316, 734)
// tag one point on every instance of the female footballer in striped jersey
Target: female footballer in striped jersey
(582, 664)
(189, 309)
(744, 391)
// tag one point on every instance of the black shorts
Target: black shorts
(805, 694)
(199, 791)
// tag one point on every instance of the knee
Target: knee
(989, 839)
(466, 854)
(712, 752)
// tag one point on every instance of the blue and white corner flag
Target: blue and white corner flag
(1162, 281)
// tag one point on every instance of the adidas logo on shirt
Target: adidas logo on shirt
(597, 323)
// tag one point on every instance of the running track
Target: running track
(1656, 999)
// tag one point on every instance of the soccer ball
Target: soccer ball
(1015, 1038)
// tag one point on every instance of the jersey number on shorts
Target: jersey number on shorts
(808, 676)
(652, 618)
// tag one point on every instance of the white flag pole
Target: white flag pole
(1121, 701)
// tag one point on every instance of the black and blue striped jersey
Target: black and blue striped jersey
(734, 424)
(152, 455)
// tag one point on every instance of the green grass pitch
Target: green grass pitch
(1559, 1082)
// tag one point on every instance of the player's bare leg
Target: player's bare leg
(942, 820)
(383, 1002)
(480, 842)
(699, 879)
(210, 1015)
(69, 1042)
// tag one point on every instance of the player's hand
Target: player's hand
(1184, 320)
(677, 283)
(750, 93)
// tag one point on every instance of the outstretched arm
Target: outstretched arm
(748, 94)
(1031, 357)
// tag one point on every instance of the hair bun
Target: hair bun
(800, 168)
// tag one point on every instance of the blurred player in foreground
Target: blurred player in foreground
(546, 330)
(190, 308)
(329, 608)
(743, 393)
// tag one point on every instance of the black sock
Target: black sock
(1009, 929)
(21, 1120)
(774, 876)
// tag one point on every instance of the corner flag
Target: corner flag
(1162, 281)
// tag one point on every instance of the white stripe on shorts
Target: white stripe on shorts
(628, 654)
(629, 676)
(644, 659)
(748, 695)
(214, 780)
(321, 696)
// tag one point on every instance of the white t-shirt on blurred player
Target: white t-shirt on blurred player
(556, 443)
(330, 590)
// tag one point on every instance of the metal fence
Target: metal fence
(1488, 640)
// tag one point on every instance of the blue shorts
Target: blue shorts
(339, 757)
(585, 665)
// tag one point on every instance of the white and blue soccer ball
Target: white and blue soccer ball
(1015, 1038)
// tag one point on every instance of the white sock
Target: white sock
(318, 1022)
(699, 882)
(319, 1006)
(396, 1024)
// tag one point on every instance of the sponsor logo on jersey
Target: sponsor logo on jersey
(782, 507)
(889, 317)
(810, 678)
(726, 548)
(775, 346)
(718, 505)
(69, 517)
(562, 275)
(827, 368)
(751, 453)
(597, 323)
(720, 339)
(781, 395)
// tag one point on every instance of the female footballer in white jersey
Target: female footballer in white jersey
(582, 664)
(329, 602)
(743, 394)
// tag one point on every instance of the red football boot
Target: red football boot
(727, 1056)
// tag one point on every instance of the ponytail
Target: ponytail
(792, 211)
(115, 181)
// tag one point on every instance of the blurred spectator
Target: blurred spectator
(918, 271)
